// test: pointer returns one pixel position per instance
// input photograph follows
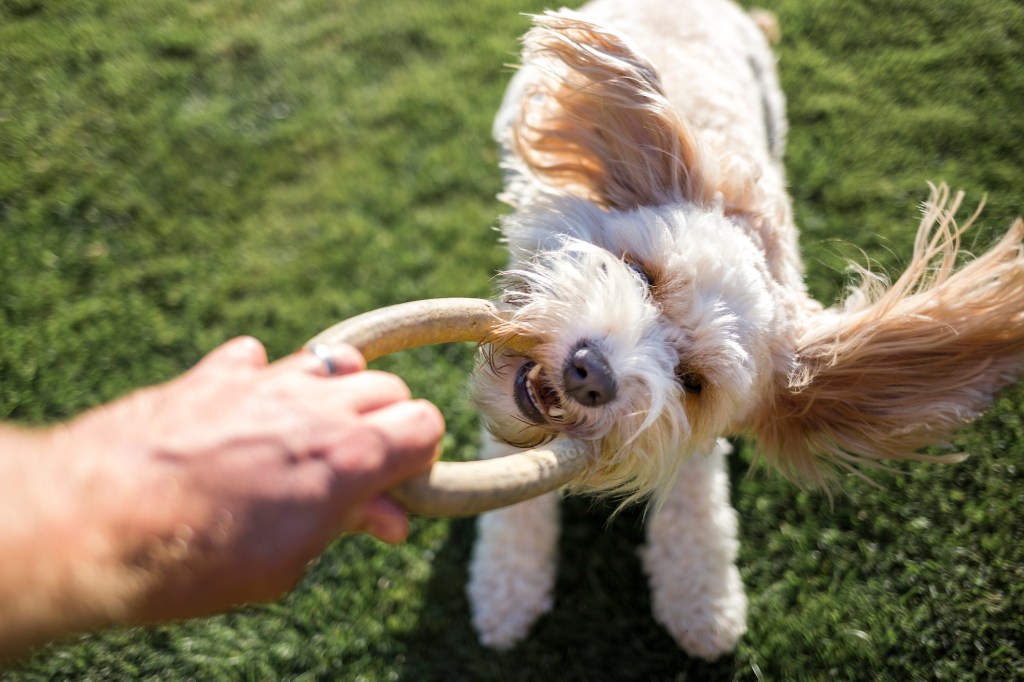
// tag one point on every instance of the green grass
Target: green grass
(174, 173)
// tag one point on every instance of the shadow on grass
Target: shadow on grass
(600, 628)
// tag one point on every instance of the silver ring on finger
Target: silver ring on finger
(323, 354)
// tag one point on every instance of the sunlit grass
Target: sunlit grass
(174, 173)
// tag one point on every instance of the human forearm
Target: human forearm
(60, 571)
(213, 490)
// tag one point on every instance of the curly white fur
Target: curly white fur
(654, 257)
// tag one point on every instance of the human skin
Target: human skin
(210, 491)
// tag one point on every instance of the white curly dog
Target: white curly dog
(654, 255)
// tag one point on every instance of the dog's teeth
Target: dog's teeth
(531, 394)
(556, 412)
(534, 373)
(531, 390)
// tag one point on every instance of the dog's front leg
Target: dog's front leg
(512, 574)
(690, 559)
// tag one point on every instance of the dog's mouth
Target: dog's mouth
(536, 398)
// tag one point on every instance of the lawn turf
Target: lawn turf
(175, 173)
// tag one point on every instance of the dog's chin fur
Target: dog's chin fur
(651, 223)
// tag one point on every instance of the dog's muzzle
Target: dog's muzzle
(587, 379)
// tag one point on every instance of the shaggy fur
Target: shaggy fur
(652, 228)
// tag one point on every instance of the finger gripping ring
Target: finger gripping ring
(459, 488)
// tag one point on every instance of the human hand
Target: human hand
(218, 488)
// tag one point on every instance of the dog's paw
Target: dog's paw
(512, 574)
(707, 621)
(506, 606)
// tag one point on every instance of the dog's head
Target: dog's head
(652, 307)
(654, 329)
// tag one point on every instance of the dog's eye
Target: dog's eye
(638, 271)
(691, 382)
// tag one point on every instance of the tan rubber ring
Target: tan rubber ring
(458, 488)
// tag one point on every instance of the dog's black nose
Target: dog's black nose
(589, 379)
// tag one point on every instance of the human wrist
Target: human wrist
(53, 553)
(69, 535)
(121, 527)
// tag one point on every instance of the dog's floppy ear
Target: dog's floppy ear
(900, 368)
(598, 125)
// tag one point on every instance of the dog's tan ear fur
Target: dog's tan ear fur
(900, 368)
(598, 124)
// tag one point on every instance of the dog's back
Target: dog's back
(715, 64)
(710, 65)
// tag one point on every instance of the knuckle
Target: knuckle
(249, 350)
(430, 417)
